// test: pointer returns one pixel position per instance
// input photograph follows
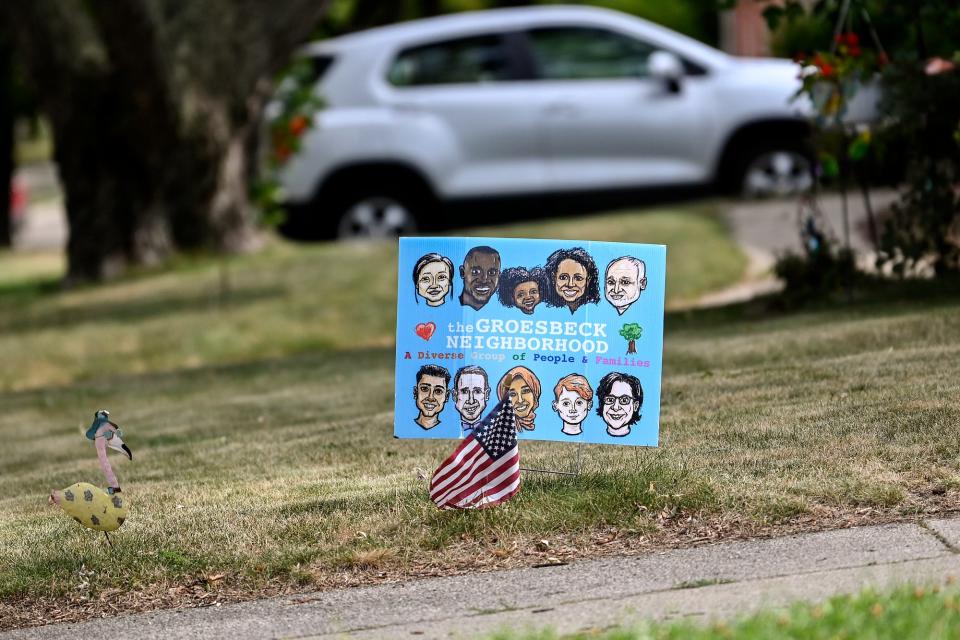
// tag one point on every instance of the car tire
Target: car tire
(379, 206)
(379, 214)
(774, 169)
(349, 211)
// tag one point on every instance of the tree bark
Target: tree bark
(6, 143)
(632, 347)
(154, 106)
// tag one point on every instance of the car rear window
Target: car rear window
(465, 60)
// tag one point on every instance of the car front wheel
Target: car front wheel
(774, 172)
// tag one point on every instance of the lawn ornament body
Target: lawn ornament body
(93, 507)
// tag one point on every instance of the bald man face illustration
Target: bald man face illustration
(623, 282)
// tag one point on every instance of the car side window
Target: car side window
(583, 53)
(465, 60)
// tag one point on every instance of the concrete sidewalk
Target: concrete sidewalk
(706, 582)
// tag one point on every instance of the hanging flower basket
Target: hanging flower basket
(844, 84)
(852, 101)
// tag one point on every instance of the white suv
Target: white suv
(531, 102)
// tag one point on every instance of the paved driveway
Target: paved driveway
(773, 226)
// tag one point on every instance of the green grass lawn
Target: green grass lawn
(909, 613)
(284, 301)
(261, 426)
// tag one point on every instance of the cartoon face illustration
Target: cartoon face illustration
(571, 280)
(522, 397)
(430, 393)
(620, 398)
(573, 399)
(481, 274)
(523, 388)
(527, 296)
(471, 391)
(433, 278)
(625, 278)
(521, 288)
(572, 277)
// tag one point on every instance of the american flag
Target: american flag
(485, 469)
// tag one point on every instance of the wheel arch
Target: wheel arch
(358, 174)
(752, 134)
(317, 217)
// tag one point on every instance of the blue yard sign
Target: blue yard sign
(570, 331)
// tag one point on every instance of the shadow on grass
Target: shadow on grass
(12, 293)
(869, 298)
(313, 365)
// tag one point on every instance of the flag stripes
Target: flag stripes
(485, 469)
(481, 481)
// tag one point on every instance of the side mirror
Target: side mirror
(667, 67)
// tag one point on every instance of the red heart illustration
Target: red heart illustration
(425, 330)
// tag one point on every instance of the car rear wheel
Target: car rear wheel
(377, 216)
(776, 171)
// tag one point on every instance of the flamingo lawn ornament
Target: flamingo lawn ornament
(91, 506)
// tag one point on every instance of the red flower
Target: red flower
(826, 70)
(850, 38)
(282, 152)
(853, 51)
(298, 124)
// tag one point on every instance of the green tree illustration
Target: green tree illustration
(631, 332)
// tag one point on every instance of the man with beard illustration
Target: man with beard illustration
(481, 274)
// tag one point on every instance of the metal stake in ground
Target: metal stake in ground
(559, 473)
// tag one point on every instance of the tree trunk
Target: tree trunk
(211, 183)
(632, 347)
(6, 143)
(154, 106)
(114, 213)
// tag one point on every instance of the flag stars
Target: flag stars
(492, 477)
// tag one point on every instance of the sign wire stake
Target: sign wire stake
(575, 473)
